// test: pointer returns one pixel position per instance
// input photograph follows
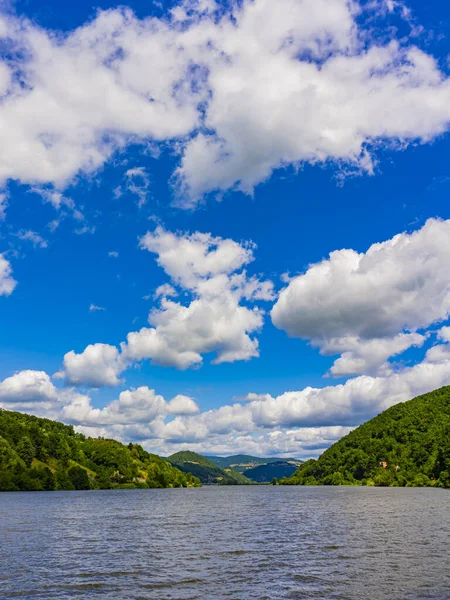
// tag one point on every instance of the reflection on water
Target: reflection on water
(213, 543)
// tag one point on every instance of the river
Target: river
(217, 543)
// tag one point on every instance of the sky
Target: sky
(224, 225)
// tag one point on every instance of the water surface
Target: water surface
(217, 543)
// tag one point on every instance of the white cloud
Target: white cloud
(217, 319)
(138, 183)
(368, 356)
(270, 85)
(85, 229)
(299, 423)
(113, 254)
(7, 282)
(28, 386)
(190, 259)
(33, 237)
(163, 291)
(98, 365)
(137, 406)
(311, 409)
(369, 306)
(95, 308)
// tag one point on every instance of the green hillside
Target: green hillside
(266, 473)
(407, 445)
(40, 454)
(244, 462)
(206, 470)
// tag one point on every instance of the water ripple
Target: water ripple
(219, 543)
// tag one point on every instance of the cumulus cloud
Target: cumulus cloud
(7, 282)
(300, 423)
(369, 306)
(311, 409)
(138, 406)
(97, 366)
(34, 392)
(220, 318)
(28, 386)
(244, 91)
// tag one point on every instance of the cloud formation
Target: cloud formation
(369, 306)
(303, 422)
(220, 318)
(7, 282)
(97, 366)
(243, 91)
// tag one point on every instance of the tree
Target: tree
(79, 478)
(26, 450)
(63, 451)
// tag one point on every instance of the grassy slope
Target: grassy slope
(413, 438)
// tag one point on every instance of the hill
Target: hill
(406, 445)
(266, 473)
(40, 454)
(244, 462)
(206, 470)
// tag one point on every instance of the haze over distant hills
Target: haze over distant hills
(258, 469)
(206, 470)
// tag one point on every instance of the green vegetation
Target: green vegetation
(39, 454)
(244, 462)
(407, 445)
(206, 470)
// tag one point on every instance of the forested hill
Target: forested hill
(406, 445)
(206, 470)
(40, 454)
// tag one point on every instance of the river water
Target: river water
(216, 543)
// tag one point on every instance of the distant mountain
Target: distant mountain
(266, 473)
(406, 445)
(244, 462)
(206, 470)
(40, 454)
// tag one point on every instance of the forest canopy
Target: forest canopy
(39, 454)
(406, 445)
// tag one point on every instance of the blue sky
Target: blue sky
(242, 156)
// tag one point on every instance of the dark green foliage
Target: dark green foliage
(26, 450)
(206, 470)
(79, 478)
(42, 455)
(407, 445)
